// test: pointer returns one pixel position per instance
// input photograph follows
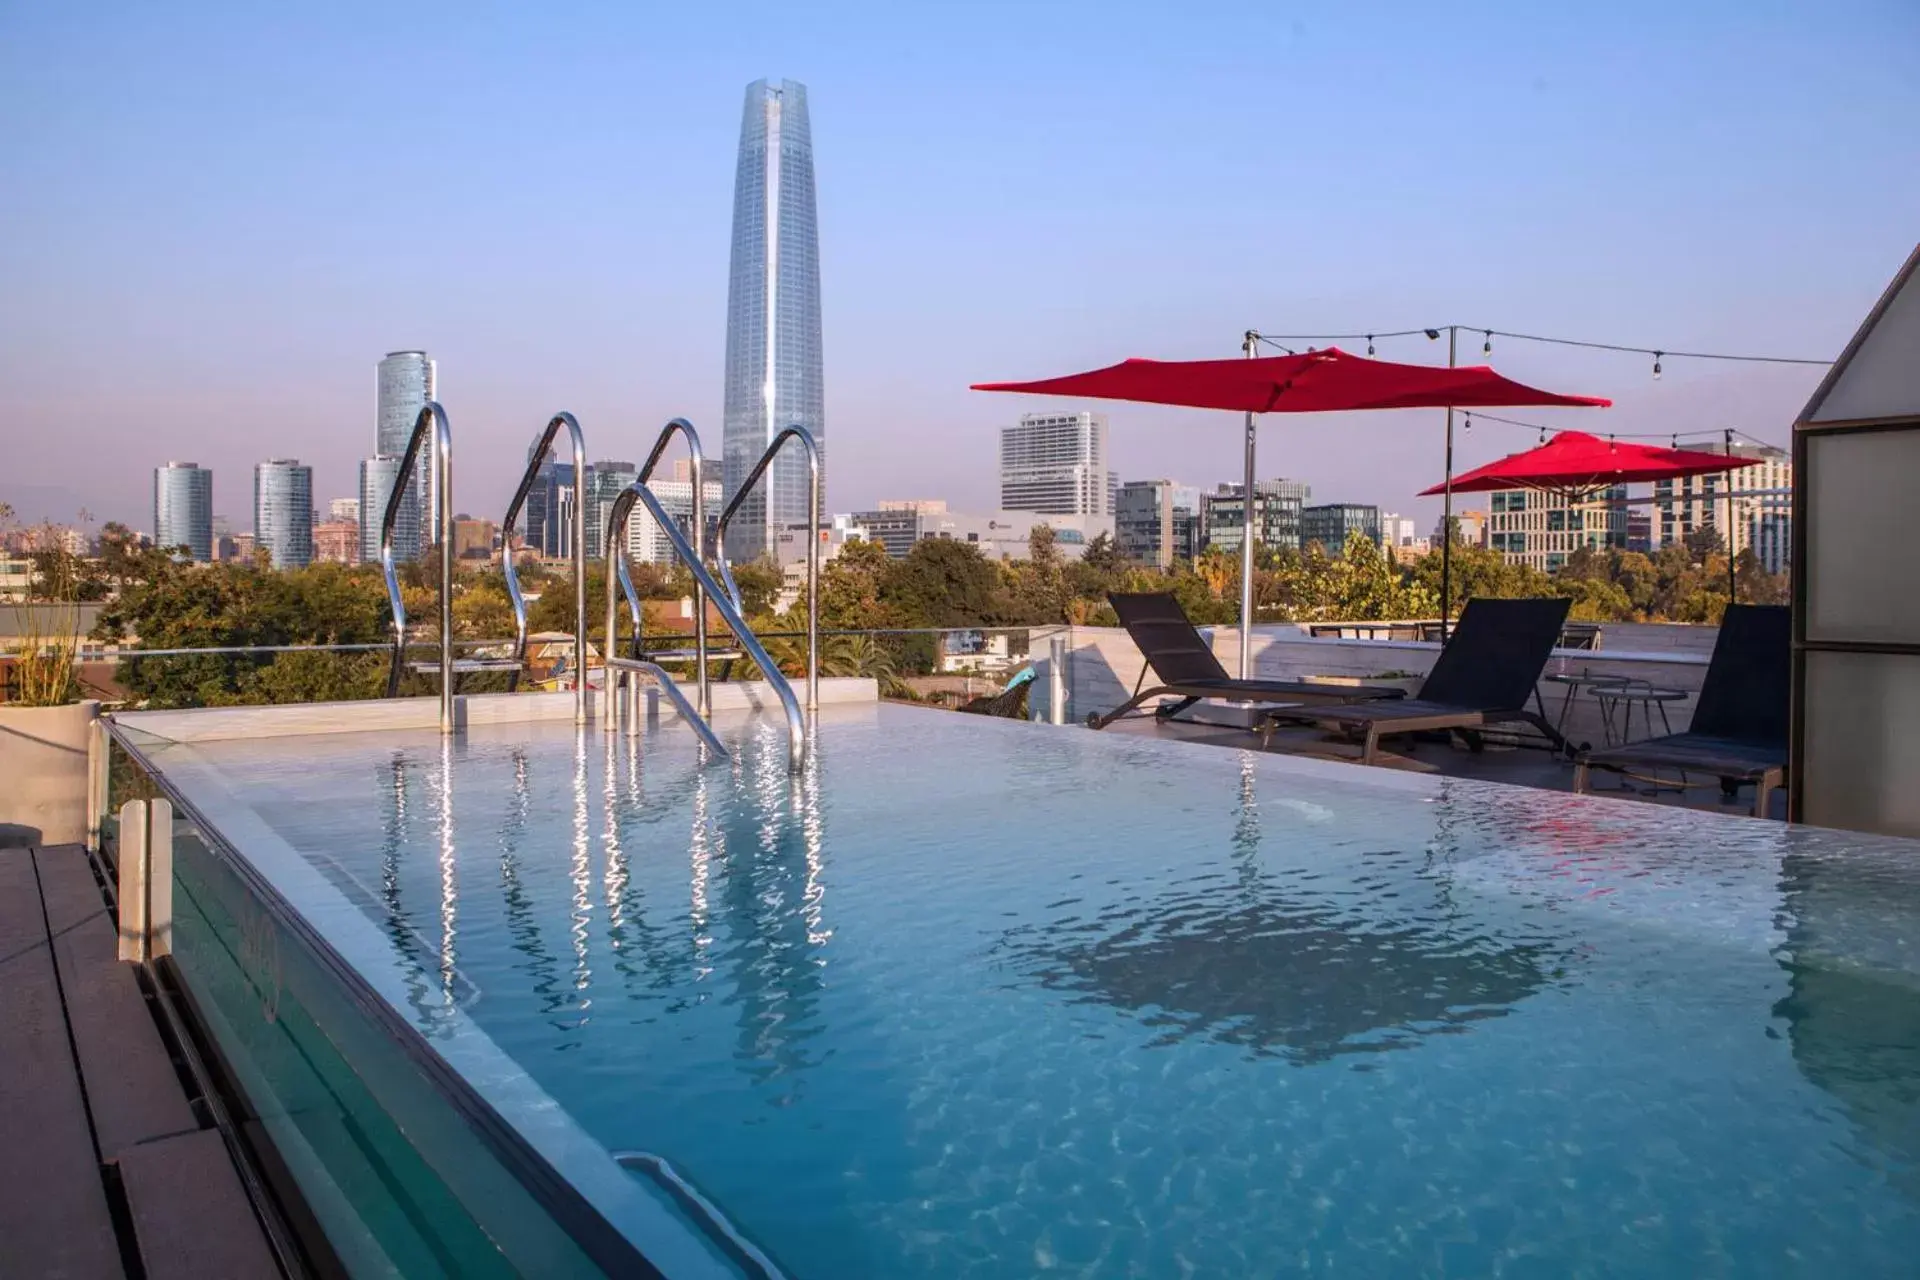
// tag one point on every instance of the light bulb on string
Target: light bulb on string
(1656, 364)
(1369, 344)
(1486, 348)
(1543, 435)
(1610, 445)
(1469, 423)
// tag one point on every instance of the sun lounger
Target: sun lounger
(1179, 657)
(1739, 729)
(1486, 675)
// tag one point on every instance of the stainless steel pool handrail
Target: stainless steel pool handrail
(432, 418)
(535, 461)
(805, 437)
(696, 466)
(709, 1215)
(673, 692)
(616, 535)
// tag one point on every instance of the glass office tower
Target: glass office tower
(405, 383)
(283, 512)
(773, 367)
(183, 509)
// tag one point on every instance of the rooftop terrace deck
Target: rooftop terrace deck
(110, 1166)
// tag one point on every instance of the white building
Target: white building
(646, 544)
(1397, 531)
(1532, 527)
(1762, 507)
(1056, 463)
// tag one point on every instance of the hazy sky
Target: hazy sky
(215, 218)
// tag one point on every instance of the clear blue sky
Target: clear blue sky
(215, 218)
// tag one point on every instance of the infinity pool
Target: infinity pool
(978, 998)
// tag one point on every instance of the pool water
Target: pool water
(978, 998)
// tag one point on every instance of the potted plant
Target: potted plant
(44, 722)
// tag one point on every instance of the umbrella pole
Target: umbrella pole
(1250, 344)
(1446, 510)
(1733, 582)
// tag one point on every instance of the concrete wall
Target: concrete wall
(1103, 665)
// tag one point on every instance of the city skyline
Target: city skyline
(1600, 190)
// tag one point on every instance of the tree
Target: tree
(851, 585)
(1703, 543)
(1103, 557)
(943, 583)
(760, 583)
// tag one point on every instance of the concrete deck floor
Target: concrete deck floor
(1519, 767)
(109, 1166)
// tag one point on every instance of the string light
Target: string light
(1656, 364)
(1543, 435)
(1369, 344)
(1469, 425)
(1488, 335)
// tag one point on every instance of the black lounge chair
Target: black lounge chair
(1178, 656)
(1739, 728)
(1485, 675)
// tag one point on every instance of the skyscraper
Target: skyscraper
(283, 511)
(405, 384)
(377, 477)
(1056, 463)
(183, 509)
(774, 375)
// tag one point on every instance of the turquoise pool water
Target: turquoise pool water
(990, 999)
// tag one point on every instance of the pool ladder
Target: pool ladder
(725, 600)
(432, 422)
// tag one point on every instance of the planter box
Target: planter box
(43, 773)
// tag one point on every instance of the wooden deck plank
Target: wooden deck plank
(132, 1090)
(53, 1206)
(190, 1214)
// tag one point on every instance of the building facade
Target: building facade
(1056, 464)
(347, 509)
(283, 511)
(377, 478)
(1157, 522)
(1276, 515)
(472, 538)
(1398, 532)
(1762, 498)
(183, 509)
(336, 542)
(774, 367)
(1539, 529)
(549, 509)
(647, 544)
(606, 481)
(1329, 524)
(405, 381)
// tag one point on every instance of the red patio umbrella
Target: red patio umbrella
(1326, 381)
(1577, 464)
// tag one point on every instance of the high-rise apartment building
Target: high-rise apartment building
(1056, 463)
(1157, 522)
(1330, 523)
(1762, 507)
(183, 509)
(1276, 515)
(283, 511)
(774, 367)
(1532, 527)
(377, 478)
(405, 382)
